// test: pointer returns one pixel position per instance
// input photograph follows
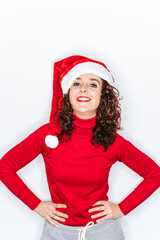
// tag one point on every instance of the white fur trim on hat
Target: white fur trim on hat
(82, 68)
(51, 141)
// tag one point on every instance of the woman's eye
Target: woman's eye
(75, 83)
(94, 84)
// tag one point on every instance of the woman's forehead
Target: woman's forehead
(89, 75)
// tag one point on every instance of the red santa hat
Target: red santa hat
(65, 72)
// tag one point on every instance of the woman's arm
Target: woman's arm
(143, 165)
(18, 157)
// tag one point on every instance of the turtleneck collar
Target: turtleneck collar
(84, 126)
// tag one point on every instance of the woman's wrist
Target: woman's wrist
(120, 212)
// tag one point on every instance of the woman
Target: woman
(79, 146)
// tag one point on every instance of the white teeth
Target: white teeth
(83, 98)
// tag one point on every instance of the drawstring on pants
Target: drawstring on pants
(82, 231)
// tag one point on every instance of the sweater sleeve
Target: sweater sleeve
(143, 165)
(18, 157)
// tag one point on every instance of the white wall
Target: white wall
(125, 36)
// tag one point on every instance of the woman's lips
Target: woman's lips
(87, 100)
(84, 100)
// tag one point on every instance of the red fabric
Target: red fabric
(77, 171)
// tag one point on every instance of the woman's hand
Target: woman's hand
(110, 210)
(47, 209)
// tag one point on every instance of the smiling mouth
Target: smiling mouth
(83, 100)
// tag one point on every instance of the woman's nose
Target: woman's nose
(83, 88)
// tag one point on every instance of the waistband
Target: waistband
(90, 226)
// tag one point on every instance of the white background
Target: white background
(125, 36)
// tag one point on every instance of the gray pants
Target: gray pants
(109, 229)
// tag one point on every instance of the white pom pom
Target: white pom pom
(51, 141)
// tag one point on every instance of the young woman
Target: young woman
(79, 145)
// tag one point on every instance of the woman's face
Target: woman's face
(89, 86)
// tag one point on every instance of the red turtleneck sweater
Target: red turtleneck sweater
(77, 171)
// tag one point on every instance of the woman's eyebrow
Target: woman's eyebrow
(93, 79)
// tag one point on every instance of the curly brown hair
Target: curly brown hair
(108, 119)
